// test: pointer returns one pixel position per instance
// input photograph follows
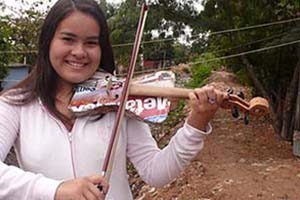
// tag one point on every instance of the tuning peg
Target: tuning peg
(230, 91)
(235, 112)
(241, 95)
(246, 118)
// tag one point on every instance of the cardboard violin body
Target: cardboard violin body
(102, 93)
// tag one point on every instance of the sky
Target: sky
(16, 4)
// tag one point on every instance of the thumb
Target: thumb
(101, 183)
(96, 179)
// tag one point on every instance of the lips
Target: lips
(76, 64)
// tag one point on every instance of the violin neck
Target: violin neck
(159, 91)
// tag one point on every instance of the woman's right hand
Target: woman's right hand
(84, 188)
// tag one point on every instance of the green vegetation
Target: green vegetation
(258, 40)
(201, 69)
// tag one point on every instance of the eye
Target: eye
(68, 39)
(92, 43)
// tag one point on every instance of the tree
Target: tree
(4, 46)
(123, 28)
(24, 26)
(270, 71)
(166, 20)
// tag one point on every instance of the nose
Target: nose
(79, 51)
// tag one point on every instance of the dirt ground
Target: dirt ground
(238, 162)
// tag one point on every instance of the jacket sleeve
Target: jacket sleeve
(16, 184)
(158, 166)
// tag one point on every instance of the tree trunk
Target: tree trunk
(296, 133)
(257, 84)
(289, 105)
(253, 77)
(297, 112)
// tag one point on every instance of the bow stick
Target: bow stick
(111, 149)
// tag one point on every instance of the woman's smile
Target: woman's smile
(75, 52)
(76, 65)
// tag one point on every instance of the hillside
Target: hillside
(238, 161)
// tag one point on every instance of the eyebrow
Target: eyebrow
(74, 35)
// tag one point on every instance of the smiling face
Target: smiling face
(75, 52)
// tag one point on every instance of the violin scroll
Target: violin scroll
(257, 106)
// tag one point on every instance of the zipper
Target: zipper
(69, 135)
(70, 139)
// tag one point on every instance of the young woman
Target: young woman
(60, 155)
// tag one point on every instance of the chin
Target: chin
(78, 78)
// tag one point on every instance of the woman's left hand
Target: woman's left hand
(204, 103)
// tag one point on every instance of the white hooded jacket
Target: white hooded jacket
(48, 153)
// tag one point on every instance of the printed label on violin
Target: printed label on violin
(152, 109)
(102, 93)
(85, 89)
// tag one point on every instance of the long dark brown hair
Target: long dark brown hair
(42, 81)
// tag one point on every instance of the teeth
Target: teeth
(76, 64)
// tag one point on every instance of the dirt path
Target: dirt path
(238, 162)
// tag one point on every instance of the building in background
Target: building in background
(16, 72)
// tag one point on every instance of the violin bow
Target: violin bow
(111, 149)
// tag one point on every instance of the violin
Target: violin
(149, 97)
(148, 100)
(127, 96)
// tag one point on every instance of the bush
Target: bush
(201, 69)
